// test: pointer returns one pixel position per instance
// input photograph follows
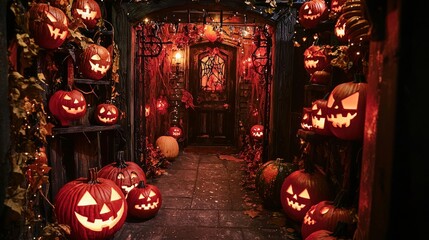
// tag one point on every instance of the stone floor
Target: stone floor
(204, 198)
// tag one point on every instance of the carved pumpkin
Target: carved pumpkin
(315, 59)
(95, 61)
(162, 104)
(269, 179)
(106, 114)
(318, 117)
(301, 190)
(346, 110)
(87, 10)
(312, 13)
(340, 29)
(144, 201)
(93, 207)
(257, 132)
(48, 25)
(168, 146)
(125, 174)
(67, 106)
(337, 6)
(324, 215)
(175, 132)
(306, 119)
(321, 235)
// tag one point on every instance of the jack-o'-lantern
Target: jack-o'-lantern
(175, 132)
(93, 207)
(337, 6)
(210, 33)
(325, 215)
(48, 25)
(322, 77)
(340, 29)
(144, 201)
(88, 10)
(306, 119)
(312, 13)
(346, 110)
(162, 104)
(301, 190)
(315, 59)
(106, 114)
(125, 174)
(318, 117)
(67, 106)
(257, 132)
(95, 61)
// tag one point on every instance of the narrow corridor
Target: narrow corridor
(204, 198)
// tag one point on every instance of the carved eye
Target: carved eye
(290, 190)
(141, 196)
(96, 57)
(51, 17)
(113, 110)
(304, 194)
(121, 176)
(65, 21)
(324, 210)
(152, 194)
(331, 101)
(134, 175)
(351, 102)
(87, 200)
(67, 97)
(115, 195)
(102, 110)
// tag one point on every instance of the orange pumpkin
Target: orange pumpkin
(67, 106)
(313, 12)
(106, 114)
(95, 61)
(88, 10)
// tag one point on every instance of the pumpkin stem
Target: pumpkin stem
(120, 160)
(93, 176)
(141, 184)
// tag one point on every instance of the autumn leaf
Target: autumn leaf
(252, 213)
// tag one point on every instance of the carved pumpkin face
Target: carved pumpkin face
(67, 106)
(340, 29)
(318, 117)
(346, 110)
(48, 25)
(162, 105)
(337, 6)
(95, 61)
(144, 201)
(94, 208)
(301, 190)
(88, 10)
(324, 215)
(257, 132)
(175, 132)
(106, 114)
(306, 119)
(315, 59)
(313, 12)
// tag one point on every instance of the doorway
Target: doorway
(212, 81)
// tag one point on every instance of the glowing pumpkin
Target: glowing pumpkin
(67, 106)
(48, 25)
(168, 146)
(306, 119)
(88, 10)
(257, 132)
(269, 179)
(162, 104)
(340, 29)
(337, 6)
(125, 174)
(106, 114)
(95, 61)
(325, 215)
(312, 13)
(318, 117)
(146, 110)
(210, 33)
(301, 190)
(144, 201)
(346, 110)
(175, 132)
(315, 59)
(93, 207)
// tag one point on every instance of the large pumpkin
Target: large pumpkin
(87, 10)
(346, 110)
(125, 174)
(301, 190)
(326, 216)
(144, 201)
(313, 12)
(94, 208)
(106, 114)
(269, 179)
(168, 146)
(67, 106)
(48, 25)
(95, 61)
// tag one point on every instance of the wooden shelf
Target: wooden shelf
(91, 81)
(81, 129)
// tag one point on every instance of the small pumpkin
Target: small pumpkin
(269, 179)
(67, 106)
(93, 207)
(315, 59)
(175, 132)
(257, 132)
(168, 146)
(144, 201)
(306, 119)
(48, 25)
(95, 61)
(125, 174)
(87, 10)
(106, 114)
(313, 12)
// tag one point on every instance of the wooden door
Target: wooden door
(212, 77)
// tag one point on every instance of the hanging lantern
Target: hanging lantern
(95, 61)
(175, 132)
(48, 25)
(313, 12)
(87, 10)
(146, 110)
(306, 119)
(162, 104)
(257, 132)
(210, 33)
(67, 106)
(315, 59)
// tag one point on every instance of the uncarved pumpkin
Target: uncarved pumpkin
(168, 146)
